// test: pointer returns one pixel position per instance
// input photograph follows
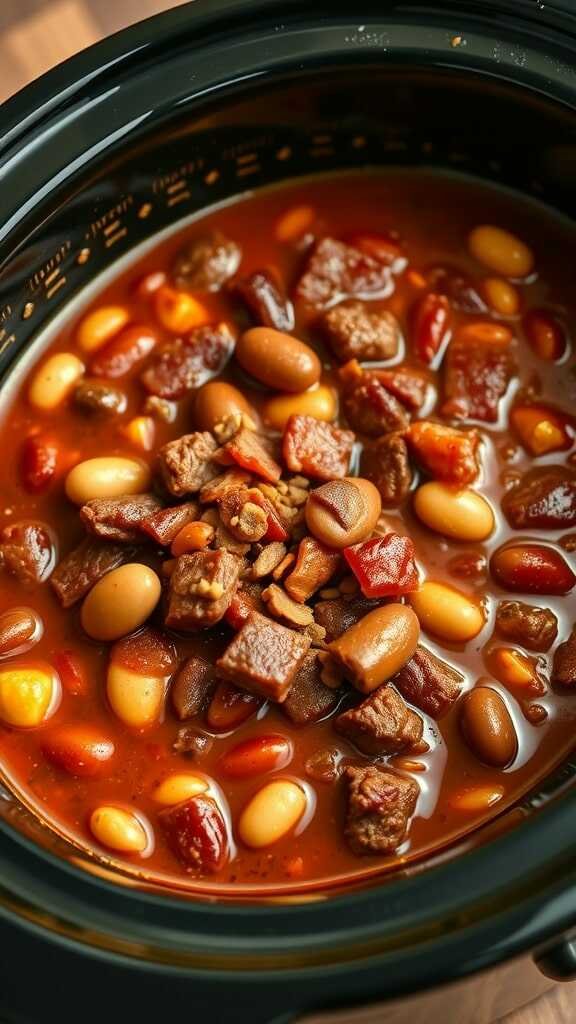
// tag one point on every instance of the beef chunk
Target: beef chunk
(119, 519)
(205, 264)
(409, 386)
(96, 398)
(445, 453)
(372, 409)
(263, 293)
(309, 700)
(337, 615)
(215, 489)
(201, 588)
(264, 657)
(323, 766)
(165, 524)
(192, 742)
(381, 724)
(545, 499)
(526, 624)
(315, 566)
(476, 377)
(379, 806)
(27, 551)
(186, 363)
(564, 664)
(429, 683)
(316, 449)
(386, 463)
(247, 599)
(191, 687)
(247, 450)
(356, 332)
(337, 271)
(77, 573)
(186, 463)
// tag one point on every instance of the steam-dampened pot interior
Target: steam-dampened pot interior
(440, 290)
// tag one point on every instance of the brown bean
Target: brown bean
(376, 647)
(278, 360)
(20, 629)
(488, 727)
(217, 400)
(343, 512)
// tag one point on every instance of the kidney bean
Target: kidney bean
(545, 334)
(72, 673)
(278, 360)
(230, 707)
(488, 727)
(376, 647)
(79, 750)
(431, 326)
(501, 296)
(196, 832)
(38, 461)
(20, 629)
(532, 569)
(257, 756)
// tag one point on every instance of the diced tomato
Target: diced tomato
(431, 328)
(384, 566)
(38, 460)
(72, 673)
(444, 452)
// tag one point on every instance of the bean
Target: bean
(257, 756)
(540, 429)
(447, 612)
(532, 569)
(141, 432)
(177, 788)
(343, 512)
(120, 602)
(546, 334)
(485, 333)
(476, 799)
(100, 326)
(118, 830)
(54, 380)
(375, 648)
(29, 695)
(321, 402)
(216, 401)
(463, 515)
(513, 668)
(109, 476)
(278, 360)
(294, 223)
(79, 749)
(122, 354)
(501, 296)
(488, 727)
(501, 251)
(271, 813)
(20, 629)
(179, 311)
(137, 699)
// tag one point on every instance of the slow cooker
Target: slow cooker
(192, 107)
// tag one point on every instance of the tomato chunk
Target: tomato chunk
(431, 326)
(384, 566)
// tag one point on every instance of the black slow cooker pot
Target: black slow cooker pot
(192, 107)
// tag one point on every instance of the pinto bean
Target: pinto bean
(278, 360)
(488, 727)
(216, 401)
(376, 647)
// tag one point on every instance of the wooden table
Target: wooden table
(35, 35)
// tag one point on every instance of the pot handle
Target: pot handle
(558, 961)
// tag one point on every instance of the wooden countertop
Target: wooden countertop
(35, 35)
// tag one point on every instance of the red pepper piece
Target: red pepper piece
(384, 566)
(72, 674)
(38, 460)
(196, 832)
(431, 326)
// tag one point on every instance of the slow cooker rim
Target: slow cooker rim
(122, 47)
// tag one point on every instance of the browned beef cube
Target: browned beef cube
(165, 524)
(527, 624)
(264, 657)
(380, 804)
(386, 463)
(119, 519)
(184, 364)
(96, 398)
(317, 449)
(201, 588)
(564, 665)
(381, 724)
(337, 615)
(77, 573)
(337, 271)
(315, 566)
(408, 385)
(191, 687)
(476, 377)
(250, 452)
(372, 409)
(186, 463)
(27, 551)
(205, 264)
(429, 683)
(356, 332)
(264, 295)
(192, 742)
(309, 700)
(545, 499)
